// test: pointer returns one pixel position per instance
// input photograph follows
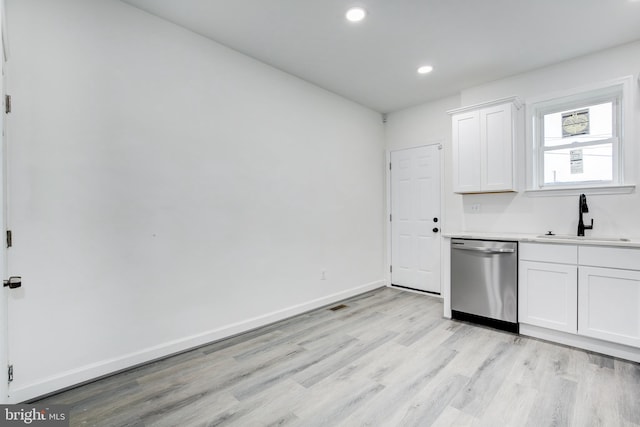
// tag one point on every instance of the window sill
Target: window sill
(574, 191)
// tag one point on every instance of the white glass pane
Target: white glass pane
(600, 125)
(569, 165)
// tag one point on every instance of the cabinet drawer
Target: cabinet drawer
(598, 256)
(546, 252)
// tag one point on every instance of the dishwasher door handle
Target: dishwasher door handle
(485, 250)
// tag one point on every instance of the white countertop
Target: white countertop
(538, 238)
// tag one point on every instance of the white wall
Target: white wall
(520, 212)
(166, 191)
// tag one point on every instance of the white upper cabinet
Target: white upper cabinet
(466, 152)
(485, 146)
(497, 148)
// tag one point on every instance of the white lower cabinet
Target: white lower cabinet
(609, 304)
(547, 295)
(590, 292)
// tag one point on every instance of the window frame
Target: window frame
(617, 91)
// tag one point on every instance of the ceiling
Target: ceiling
(374, 62)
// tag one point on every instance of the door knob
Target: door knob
(13, 282)
(435, 219)
(435, 229)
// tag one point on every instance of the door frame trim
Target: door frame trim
(387, 223)
(4, 297)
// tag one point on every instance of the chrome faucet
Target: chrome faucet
(583, 208)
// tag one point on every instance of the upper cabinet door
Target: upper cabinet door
(496, 142)
(484, 139)
(466, 152)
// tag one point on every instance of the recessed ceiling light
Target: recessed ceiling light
(356, 14)
(425, 69)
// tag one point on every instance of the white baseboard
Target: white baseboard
(579, 341)
(107, 367)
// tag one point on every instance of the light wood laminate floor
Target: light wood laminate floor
(388, 359)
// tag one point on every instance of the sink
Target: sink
(595, 239)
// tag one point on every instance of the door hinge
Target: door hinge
(7, 104)
(390, 218)
(9, 239)
(389, 165)
(10, 373)
(390, 269)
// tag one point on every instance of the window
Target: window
(577, 139)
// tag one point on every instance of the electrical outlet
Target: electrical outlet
(475, 208)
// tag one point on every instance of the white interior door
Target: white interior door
(415, 218)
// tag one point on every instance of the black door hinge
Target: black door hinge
(10, 373)
(390, 269)
(7, 104)
(9, 239)
(389, 166)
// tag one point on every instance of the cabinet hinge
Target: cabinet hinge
(10, 373)
(9, 239)
(7, 104)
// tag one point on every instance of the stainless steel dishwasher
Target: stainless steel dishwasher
(484, 282)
